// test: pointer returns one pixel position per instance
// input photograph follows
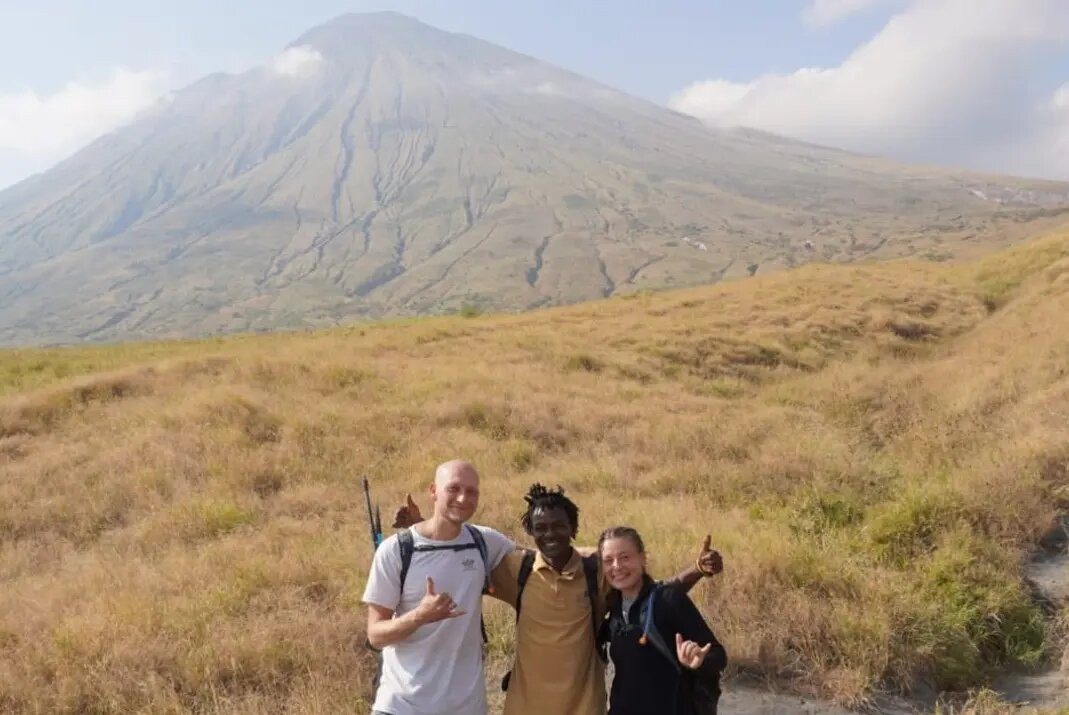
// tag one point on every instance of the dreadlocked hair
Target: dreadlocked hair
(539, 497)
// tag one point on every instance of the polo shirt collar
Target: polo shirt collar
(570, 568)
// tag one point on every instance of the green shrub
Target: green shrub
(968, 617)
(909, 526)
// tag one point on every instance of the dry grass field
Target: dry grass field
(876, 450)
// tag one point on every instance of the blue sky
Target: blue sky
(650, 49)
(920, 80)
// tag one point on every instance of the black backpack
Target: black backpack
(407, 548)
(706, 692)
(590, 572)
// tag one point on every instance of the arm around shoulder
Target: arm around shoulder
(708, 563)
(497, 545)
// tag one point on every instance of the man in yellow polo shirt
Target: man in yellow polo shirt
(557, 668)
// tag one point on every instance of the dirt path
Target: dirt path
(1048, 688)
(751, 701)
(748, 700)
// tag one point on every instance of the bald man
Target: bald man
(428, 630)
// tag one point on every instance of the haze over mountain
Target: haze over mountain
(380, 166)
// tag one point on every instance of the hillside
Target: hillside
(379, 166)
(876, 450)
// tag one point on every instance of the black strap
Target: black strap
(649, 628)
(445, 547)
(480, 544)
(590, 570)
(526, 566)
(406, 546)
(524, 574)
(706, 691)
(590, 573)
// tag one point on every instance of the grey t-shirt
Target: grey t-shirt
(438, 669)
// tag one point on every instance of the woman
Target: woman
(665, 657)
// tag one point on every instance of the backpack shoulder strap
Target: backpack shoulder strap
(405, 548)
(590, 570)
(480, 544)
(650, 633)
(522, 576)
(526, 566)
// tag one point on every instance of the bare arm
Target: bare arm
(383, 629)
(686, 579)
(709, 563)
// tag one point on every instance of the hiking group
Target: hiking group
(575, 608)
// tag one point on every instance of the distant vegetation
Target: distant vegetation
(875, 449)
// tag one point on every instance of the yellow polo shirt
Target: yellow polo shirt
(556, 668)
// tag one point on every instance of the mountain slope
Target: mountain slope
(380, 166)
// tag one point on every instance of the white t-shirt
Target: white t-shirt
(438, 669)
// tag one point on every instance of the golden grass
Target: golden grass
(988, 702)
(875, 450)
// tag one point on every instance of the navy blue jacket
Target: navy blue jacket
(645, 683)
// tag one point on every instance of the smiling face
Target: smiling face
(552, 533)
(455, 492)
(623, 564)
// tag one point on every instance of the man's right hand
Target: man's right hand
(435, 607)
(407, 514)
(710, 563)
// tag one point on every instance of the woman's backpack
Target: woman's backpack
(706, 691)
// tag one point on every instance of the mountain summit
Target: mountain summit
(380, 166)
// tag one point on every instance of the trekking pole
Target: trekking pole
(374, 523)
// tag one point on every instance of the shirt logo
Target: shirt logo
(468, 564)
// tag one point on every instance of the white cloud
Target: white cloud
(943, 80)
(38, 130)
(1060, 99)
(297, 61)
(1044, 148)
(821, 13)
(711, 99)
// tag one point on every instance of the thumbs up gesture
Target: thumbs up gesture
(709, 562)
(690, 654)
(407, 514)
(434, 606)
